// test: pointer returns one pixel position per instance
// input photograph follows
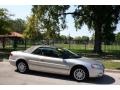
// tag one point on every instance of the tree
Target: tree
(49, 20)
(31, 27)
(77, 40)
(4, 24)
(4, 21)
(18, 25)
(69, 37)
(32, 31)
(101, 19)
(62, 37)
(117, 38)
(85, 39)
(92, 38)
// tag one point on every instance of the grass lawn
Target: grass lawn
(89, 47)
(76, 46)
(111, 65)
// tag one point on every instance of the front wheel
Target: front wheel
(22, 67)
(79, 74)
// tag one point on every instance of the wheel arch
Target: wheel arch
(79, 66)
(22, 60)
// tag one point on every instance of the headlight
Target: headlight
(96, 66)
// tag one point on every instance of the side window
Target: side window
(50, 52)
(37, 51)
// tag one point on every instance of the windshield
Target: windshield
(67, 54)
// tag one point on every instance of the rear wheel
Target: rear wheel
(22, 67)
(79, 74)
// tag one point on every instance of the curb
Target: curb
(112, 70)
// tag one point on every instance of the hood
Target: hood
(91, 60)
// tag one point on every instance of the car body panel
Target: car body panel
(48, 64)
(55, 65)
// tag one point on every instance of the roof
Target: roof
(32, 48)
(12, 34)
(16, 34)
(47, 46)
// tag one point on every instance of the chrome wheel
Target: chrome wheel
(22, 67)
(79, 74)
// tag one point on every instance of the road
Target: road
(9, 76)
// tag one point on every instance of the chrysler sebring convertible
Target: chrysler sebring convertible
(56, 60)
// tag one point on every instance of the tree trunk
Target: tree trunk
(3, 43)
(15, 43)
(25, 42)
(98, 41)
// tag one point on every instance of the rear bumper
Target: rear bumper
(12, 62)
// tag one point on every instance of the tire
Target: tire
(79, 74)
(22, 67)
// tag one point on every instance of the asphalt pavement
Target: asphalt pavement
(9, 76)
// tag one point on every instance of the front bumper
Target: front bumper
(96, 73)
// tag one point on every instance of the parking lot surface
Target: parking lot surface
(9, 76)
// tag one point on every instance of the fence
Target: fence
(73, 45)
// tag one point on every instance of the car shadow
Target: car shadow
(102, 80)
(48, 75)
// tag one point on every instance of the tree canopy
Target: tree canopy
(4, 21)
(117, 38)
(18, 25)
(101, 19)
(49, 20)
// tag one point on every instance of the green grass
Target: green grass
(76, 46)
(111, 65)
(89, 46)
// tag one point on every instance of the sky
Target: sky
(19, 11)
(22, 11)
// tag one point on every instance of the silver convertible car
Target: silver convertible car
(56, 60)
